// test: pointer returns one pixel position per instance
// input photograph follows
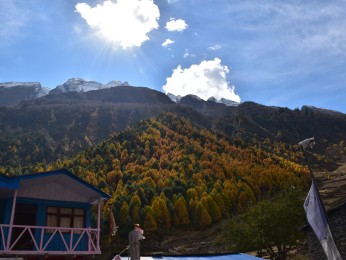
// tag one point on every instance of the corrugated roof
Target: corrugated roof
(59, 185)
(203, 257)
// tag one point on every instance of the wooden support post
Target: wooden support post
(7, 247)
(99, 224)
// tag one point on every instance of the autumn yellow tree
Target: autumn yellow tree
(149, 221)
(202, 217)
(181, 215)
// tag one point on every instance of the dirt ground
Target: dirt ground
(332, 186)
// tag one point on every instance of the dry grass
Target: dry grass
(332, 186)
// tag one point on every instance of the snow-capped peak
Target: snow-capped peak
(38, 90)
(81, 85)
(116, 83)
(228, 102)
(225, 101)
(173, 97)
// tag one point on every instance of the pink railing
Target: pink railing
(34, 240)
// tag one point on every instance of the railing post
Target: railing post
(11, 221)
(42, 237)
(71, 240)
(98, 224)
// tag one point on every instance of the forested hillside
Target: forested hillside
(60, 125)
(173, 168)
(167, 173)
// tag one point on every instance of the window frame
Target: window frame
(59, 213)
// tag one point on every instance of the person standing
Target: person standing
(135, 236)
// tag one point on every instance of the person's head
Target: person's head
(137, 226)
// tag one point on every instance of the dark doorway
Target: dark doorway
(2, 210)
(25, 215)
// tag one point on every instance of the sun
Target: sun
(125, 22)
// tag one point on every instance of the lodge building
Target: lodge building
(49, 214)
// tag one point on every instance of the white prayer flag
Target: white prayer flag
(310, 142)
(318, 222)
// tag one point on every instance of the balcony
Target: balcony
(40, 240)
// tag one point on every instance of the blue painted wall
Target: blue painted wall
(56, 243)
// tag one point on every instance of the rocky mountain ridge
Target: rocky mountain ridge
(177, 99)
(11, 93)
(57, 125)
(81, 85)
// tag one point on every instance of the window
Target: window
(65, 217)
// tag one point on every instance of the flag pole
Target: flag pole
(310, 142)
(316, 212)
(307, 162)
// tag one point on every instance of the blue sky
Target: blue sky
(277, 53)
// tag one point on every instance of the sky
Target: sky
(286, 53)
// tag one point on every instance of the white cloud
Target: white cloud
(167, 42)
(13, 19)
(188, 54)
(124, 22)
(172, 1)
(299, 26)
(207, 79)
(176, 25)
(215, 47)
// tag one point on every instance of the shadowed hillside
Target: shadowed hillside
(56, 126)
(169, 175)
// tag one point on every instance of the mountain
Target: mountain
(12, 93)
(186, 165)
(15, 92)
(172, 176)
(120, 94)
(207, 108)
(284, 124)
(227, 102)
(81, 85)
(58, 125)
